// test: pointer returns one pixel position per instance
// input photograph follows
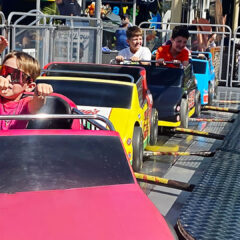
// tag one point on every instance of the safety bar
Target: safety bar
(150, 61)
(201, 55)
(92, 73)
(62, 116)
(94, 123)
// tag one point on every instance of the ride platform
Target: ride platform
(212, 211)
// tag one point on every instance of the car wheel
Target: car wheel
(184, 113)
(210, 94)
(154, 127)
(137, 149)
(197, 104)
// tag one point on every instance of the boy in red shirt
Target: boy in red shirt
(176, 51)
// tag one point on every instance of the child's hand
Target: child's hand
(119, 59)
(135, 59)
(176, 62)
(43, 89)
(4, 84)
(160, 61)
(3, 43)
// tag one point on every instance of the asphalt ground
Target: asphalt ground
(188, 169)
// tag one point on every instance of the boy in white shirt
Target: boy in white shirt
(135, 52)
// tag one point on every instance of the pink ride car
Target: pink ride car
(62, 184)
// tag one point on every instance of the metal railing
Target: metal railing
(56, 38)
(163, 34)
(76, 39)
(79, 115)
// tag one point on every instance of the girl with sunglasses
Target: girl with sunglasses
(17, 75)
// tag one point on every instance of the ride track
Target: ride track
(201, 140)
(175, 157)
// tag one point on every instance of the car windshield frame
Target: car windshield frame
(93, 93)
(50, 162)
(199, 67)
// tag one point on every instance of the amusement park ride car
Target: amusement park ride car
(204, 72)
(63, 183)
(117, 92)
(175, 94)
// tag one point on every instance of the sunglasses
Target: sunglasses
(17, 76)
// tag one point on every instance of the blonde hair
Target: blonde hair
(25, 63)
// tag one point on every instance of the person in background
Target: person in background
(17, 75)
(211, 41)
(121, 35)
(135, 52)
(68, 7)
(176, 51)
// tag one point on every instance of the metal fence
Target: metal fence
(80, 39)
(153, 38)
(55, 38)
(235, 71)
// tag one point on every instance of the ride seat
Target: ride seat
(53, 105)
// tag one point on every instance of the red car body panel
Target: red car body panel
(17, 132)
(111, 212)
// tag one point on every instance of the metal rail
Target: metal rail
(164, 182)
(96, 124)
(201, 154)
(61, 116)
(210, 120)
(197, 133)
(165, 35)
(113, 61)
(221, 109)
(227, 101)
(48, 42)
(91, 73)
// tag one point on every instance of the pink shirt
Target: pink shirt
(14, 108)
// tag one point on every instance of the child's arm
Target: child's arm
(3, 43)
(41, 91)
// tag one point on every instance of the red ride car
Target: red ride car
(62, 184)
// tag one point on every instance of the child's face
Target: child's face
(179, 43)
(135, 43)
(14, 90)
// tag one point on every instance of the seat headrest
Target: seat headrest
(53, 105)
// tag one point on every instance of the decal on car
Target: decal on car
(191, 99)
(96, 110)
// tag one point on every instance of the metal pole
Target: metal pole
(98, 8)
(164, 182)
(235, 15)
(98, 58)
(134, 11)
(38, 5)
(176, 11)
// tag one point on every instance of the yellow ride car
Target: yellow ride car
(117, 92)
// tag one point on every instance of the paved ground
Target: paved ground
(186, 168)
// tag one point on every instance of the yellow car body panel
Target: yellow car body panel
(124, 120)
